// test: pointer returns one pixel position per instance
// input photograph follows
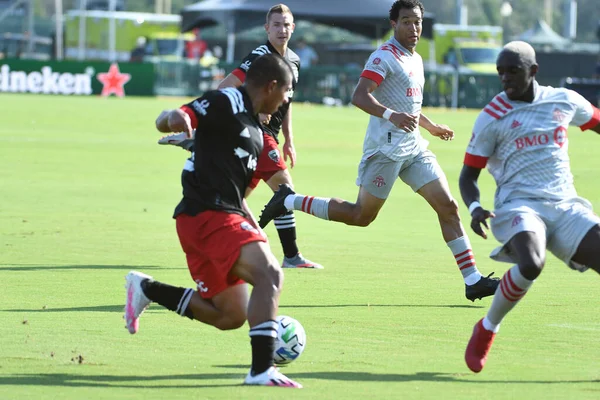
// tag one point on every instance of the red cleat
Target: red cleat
(479, 346)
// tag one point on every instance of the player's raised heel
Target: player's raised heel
(275, 207)
(136, 301)
(486, 286)
(479, 346)
(271, 377)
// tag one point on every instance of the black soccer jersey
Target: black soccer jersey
(274, 126)
(227, 145)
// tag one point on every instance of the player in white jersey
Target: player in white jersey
(521, 135)
(391, 91)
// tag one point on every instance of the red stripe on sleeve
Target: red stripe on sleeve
(496, 107)
(192, 115)
(475, 161)
(490, 112)
(592, 122)
(505, 104)
(240, 74)
(374, 76)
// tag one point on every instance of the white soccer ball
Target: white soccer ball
(290, 341)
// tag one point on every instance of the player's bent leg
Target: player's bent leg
(588, 251)
(258, 266)
(528, 248)
(225, 311)
(437, 194)
(361, 213)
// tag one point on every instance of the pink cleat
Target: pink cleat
(136, 301)
(271, 377)
(479, 346)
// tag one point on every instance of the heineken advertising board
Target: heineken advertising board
(76, 78)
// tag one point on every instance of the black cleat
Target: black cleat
(275, 206)
(485, 287)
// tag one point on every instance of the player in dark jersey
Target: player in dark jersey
(223, 244)
(271, 165)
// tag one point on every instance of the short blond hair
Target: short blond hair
(278, 9)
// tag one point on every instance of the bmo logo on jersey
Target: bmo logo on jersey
(559, 137)
(414, 92)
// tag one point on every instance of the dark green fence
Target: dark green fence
(332, 84)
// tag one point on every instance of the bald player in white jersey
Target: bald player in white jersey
(521, 136)
(391, 91)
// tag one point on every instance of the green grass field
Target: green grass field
(86, 195)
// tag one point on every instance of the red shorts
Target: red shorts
(212, 241)
(270, 162)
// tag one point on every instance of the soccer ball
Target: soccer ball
(290, 341)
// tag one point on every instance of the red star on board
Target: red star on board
(113, 81)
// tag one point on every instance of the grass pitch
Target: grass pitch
(86, 195)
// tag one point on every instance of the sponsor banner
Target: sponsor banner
(76, 78)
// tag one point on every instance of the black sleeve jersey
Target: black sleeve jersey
(227, 145)
(274, 125)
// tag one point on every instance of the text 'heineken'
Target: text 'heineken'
(46, 82)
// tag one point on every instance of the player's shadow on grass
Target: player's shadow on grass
(195, 380)
(121, 381)
(41, 267)
(381, 305)
(111, 308)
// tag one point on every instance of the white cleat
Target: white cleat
(179, 139)
(136, 301)
(271, 377)
(299, 261)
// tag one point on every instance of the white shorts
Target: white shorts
(564, 224)
(377, 172)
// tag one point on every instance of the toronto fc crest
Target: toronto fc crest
(379, 181)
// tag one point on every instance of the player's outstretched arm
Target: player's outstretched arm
(363, 99)
(469, 191)
(442, 131)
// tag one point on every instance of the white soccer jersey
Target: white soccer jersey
(400, 79)
(525, 145)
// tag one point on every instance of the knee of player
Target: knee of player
(532, 267)
(273, 274)
(364, 220)
(231, 322)
(363, 217)
(449, 210)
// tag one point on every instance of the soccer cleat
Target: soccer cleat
(179, 139)
(271, 377)
(484, 287)
(298, 261)
(479, 346)
(275, 207)
(136, 301)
